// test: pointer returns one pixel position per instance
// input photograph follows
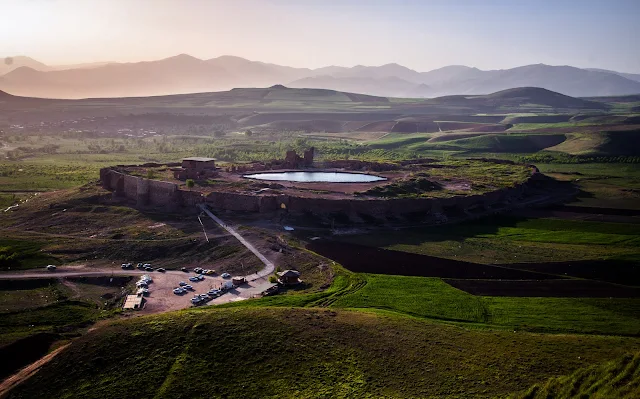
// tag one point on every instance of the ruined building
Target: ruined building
(293, 160)
(196, 168)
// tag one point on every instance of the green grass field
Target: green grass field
(432, 298)
(308, 353)
(514, 240)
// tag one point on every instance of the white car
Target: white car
(179, 291)
(225, 275)
(51, 268)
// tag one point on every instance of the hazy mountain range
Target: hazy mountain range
(186, 74)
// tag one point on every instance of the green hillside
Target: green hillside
(615, 379)
(304, 353)
(496, 143)
(601, 143)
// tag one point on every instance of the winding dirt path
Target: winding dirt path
(269, 267)
(7, 385)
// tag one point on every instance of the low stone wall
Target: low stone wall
(147, 193)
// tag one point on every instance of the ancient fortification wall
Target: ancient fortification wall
(356, 209)
(146, 193)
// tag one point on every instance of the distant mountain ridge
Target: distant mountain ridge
(183, 74)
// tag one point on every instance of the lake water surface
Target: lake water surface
(315, 177)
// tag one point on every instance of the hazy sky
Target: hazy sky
(419, 34)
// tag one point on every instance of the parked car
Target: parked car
(51, 268)
(161, 269)
(225, 275)
(210, 272)
(179, 291)
(188, 287)
(182, 284)
(194, 279)
(184, 269)
(148, 268)
(214, 292)
(197, 269)
(196, 301)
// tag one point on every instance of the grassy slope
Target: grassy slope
(604, 185)
(278, 352)
(618, 378)
(433, 298)
(513, 240)
(60, 317)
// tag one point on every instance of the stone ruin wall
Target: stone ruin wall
(147, 193)
(159, 194)
(355, 208)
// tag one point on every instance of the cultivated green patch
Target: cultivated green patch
(434, 299)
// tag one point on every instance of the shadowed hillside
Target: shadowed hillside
(616, 379)
(521, 96)
(294, 353)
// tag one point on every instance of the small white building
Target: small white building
(133, 302)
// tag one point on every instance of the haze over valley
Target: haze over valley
(181, 74)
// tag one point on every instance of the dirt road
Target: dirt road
(161, 297)
(25, 373)
(269, 266)
(64, 273)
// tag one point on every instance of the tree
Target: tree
(190, 183)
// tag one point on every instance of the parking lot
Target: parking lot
(161, 297)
